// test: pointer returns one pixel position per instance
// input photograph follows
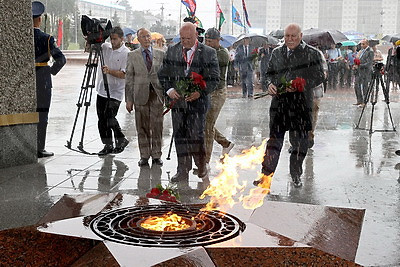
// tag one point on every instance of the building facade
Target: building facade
(103, 9)
(370, 17)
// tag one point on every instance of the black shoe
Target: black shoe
(106, 150)
(180, 177)
(297, 181)
(203, 175)
(157, 162)
(310, 143)
(397, 152)
(143, 162)
(43, 153)
(121, 146)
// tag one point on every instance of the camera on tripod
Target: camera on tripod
(377, 67)
(95, 30)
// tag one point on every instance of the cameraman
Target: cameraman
(115, 56)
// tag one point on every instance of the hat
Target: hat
(397, 42)
(213, 33)
(37, 9)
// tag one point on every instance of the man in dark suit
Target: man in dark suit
(188, 113)
(291, 108)
(45, 48)
(366, 56)
(244, 60)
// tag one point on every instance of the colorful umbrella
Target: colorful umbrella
(154, 36)
(348, 43)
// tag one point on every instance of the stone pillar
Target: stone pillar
(18, 117)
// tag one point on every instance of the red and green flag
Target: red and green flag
(190, 6)
(220, 15)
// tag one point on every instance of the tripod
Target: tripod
(85, 95)
(373, 96)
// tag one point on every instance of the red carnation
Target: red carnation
(357, 61)
(299, 84)
(198, 80)
(155, 191)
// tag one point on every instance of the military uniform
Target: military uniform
(45, 48)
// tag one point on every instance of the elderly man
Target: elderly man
(366, 57)
(189, 111)
(291, 106)
(143, 91)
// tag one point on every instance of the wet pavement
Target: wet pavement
(347, 167)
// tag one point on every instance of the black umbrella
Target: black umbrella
(277, 33)
(322, 37)
(256, 40)
(391, 37)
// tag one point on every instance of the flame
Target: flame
(167, 222)
(224, 188)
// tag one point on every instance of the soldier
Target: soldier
(45, 47)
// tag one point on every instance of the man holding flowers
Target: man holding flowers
(294, 70)
(189, 73)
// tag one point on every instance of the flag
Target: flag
(220, 15)
(190, 5)
(59, 32)
(236, 17)
(245, 13)
(195, 18)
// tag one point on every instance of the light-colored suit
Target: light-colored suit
(143, 89)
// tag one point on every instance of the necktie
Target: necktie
(148, 60)
(247, 50)
(185, 50)
(290, 52)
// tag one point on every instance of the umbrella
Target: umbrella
(277, 33)
(391, 38)
(256, 40)
(321, 37)
(176, 39)
(227, 40)
(154, 36)
(354, 36)
(348, 43)
(128, 31)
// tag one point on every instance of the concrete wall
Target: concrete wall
(18, 115)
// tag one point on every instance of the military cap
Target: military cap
(37, 9)
(213, 33)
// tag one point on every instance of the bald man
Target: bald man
(188, 112)
(291, 110)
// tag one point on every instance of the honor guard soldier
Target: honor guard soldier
(45, 48)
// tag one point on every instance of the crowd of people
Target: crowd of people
(190, 79)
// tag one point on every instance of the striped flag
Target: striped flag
(236, 17)
(245, 13)
(190, 5)
(220, 15)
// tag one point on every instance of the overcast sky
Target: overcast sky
(205, 9)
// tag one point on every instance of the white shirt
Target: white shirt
(115, 60)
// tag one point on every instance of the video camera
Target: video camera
(378, 66)
(95, 30)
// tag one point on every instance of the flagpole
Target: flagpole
(180, 14)
(216, 19)
(231, 16)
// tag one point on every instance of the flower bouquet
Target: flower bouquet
(185, 87)
(254, 54)
(357, 61)
(298, 84)
(167, 193)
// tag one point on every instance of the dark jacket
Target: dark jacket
(244, 62)
(367, 59)
(204, 62)
(292, 111)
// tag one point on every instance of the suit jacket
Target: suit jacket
(245, 62)
(292, 111)
(367, 59)
(138, 78)
(204, 62)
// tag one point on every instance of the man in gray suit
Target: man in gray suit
(366, 56)
(189, 112)
(143, 91)
(245, 62)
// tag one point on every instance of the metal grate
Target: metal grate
(121, 226)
